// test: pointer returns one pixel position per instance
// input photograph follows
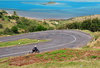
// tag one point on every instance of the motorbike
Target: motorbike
(35, 51)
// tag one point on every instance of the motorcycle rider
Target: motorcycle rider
(35, 49)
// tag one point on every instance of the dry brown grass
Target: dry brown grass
(95, 44)
(82, 18)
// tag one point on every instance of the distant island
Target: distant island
(51, 2)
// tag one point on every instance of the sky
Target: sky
(57, 0)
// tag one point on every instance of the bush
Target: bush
(92, 25)
(31, 28)
(1, 33)
(40, 28)
(5, 18)
(1, 15)
(14, 29)
(1, 26)
(8, 31)
(4, 12)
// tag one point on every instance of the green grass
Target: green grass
(20, 42)
(61, 54)
(6, 24)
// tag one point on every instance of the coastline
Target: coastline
(10, 12)
(63, 9)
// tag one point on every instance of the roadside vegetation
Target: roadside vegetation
(20, 42)
(89, 24)
(95, 44)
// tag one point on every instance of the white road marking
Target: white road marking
(42, 48)
(62, 44)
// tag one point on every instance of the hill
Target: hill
(82, 18)
(13, 24)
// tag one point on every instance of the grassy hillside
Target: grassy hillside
(13, 24)
(63, 58)
(6, 24)
(82, 18)
(69, 64)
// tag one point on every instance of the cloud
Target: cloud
(57, 0)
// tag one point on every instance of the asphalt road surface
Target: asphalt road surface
(59, 39)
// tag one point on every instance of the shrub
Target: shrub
(8, 31)
(1, 26)
(14, 29)
(40, 28)
(5, 18)
(92, 25)
(4, 12)
(93, 57)
(31, 28)
(1, 33)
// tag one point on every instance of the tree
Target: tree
(15, 13)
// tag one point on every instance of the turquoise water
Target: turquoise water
(61, 10)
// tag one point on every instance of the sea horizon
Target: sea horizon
(62, 10)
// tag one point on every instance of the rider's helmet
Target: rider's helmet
(35, 46)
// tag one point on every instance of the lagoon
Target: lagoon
(62, 10)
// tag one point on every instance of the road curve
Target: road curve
(59, 39)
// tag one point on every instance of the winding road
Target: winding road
(59, 39)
